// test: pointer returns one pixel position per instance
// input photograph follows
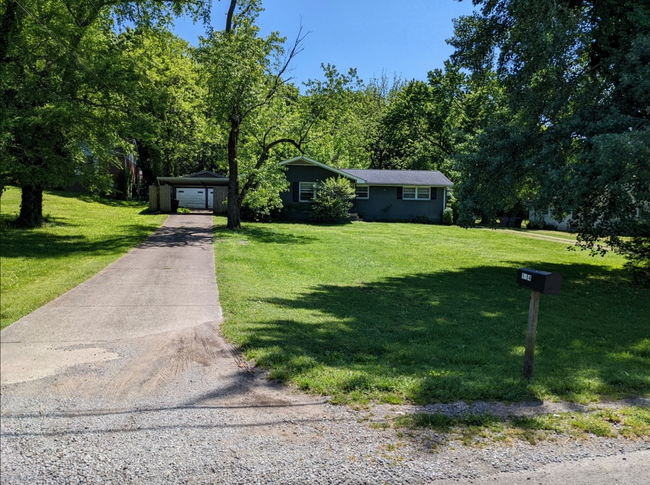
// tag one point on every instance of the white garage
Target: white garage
(194, 197)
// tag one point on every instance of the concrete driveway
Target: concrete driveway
(125, 379)
(165, 285)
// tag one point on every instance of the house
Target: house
(128, 167)
(547, 219)
(124, 170)
(380, 194)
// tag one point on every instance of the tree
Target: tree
(59, 87)
(250, 96)
(576, 137)
(245, 77)
(350, 120)
(169, 121)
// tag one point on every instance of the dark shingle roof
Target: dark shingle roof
(401, 177)
(205, 174)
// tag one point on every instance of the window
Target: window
(362, 192)
(416, 193)
(307, 191)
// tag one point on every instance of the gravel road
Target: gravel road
(247, 430)
(177, 404)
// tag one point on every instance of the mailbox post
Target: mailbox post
(538, 282)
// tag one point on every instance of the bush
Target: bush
(262, 204)
(448, 216)
(333, 200)
(452, 203)
(535, 224)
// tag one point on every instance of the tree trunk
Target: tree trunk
(234, 204)
(31, 206)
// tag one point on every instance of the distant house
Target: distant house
(547, 219)
(129, 166)
(380, 194)
(124, 167)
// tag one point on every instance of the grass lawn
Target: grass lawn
(84, 235)
(419, 313)
(628, 422)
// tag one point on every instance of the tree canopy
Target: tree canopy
(574, 135)
(63, 86)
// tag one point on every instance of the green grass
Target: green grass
(418, 313)
(629, 422)
(83, 235)
(540, 232)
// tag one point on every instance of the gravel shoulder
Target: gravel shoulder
(175, 403)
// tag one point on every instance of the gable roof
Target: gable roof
(206, 174)
(308, 161)
(427, 178)
(402, 177)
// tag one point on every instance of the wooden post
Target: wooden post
(154, 199)
(530, 335)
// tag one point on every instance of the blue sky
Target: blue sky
(403, 37)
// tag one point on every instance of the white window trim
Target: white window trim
(417, 190)
(367, 192)
(313, 185)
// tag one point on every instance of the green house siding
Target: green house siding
(383, 204)
(296, 174)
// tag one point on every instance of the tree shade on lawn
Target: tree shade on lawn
(83, 235)
(419, 313)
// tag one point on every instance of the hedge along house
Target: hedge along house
(380, 194)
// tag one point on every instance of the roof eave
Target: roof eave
(325, 167)
(191, 181)
(403, 184)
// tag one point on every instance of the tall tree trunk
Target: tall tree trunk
(31, 206)
(234, 202)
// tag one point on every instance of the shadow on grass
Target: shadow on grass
(460, 335)
(96, 199)
(261, 234)
(30, 243)
(9, 222)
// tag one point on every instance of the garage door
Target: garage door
(210, 198)
(191, 198)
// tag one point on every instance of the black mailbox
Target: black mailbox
(540, 281)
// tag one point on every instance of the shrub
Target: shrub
(448, 216)
(453, 204)
(535, 224)
(262, 204)
(333, 200)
